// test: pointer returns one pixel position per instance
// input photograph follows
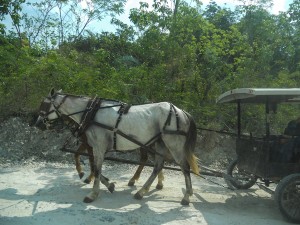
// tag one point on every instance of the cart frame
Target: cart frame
(254, 154)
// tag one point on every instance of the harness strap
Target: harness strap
(92, 108)
(177, 116)
(115, 130)
(117, 124)
(178, 132)
(88, 115)
(168, 121)
(59, 105)
(124, 108)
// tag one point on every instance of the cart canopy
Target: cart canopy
(260, 95)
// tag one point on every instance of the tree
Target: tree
(57, 21)
(221, 17)
(294, 19)
(12, 9)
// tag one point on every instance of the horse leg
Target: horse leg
(185, 158)
(104, 180)
(110, 186)
(99, 152)
(91, 161)
(160, 185)
(143, 160)
(158, 165)
(80, 149)
(188, 183)
(96, 187)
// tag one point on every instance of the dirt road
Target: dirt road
(51, 193)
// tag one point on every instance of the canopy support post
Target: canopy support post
(239, 118)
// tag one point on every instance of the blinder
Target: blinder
(45, 111)
(45, 108)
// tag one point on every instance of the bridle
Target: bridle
(45, 110)
(61, 119)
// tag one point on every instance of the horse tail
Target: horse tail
(190, 145)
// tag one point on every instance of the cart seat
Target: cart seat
(285, 149)
(293, 128)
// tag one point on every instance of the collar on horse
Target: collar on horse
(88, 115)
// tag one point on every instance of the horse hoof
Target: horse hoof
(130, 183)
(159, 186)
(184, 202)
(87, 181)
(87, 200)
(138, 196)
(111, 187)
(81, 175)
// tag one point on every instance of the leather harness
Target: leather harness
(94, 105)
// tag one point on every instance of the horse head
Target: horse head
(49, 116)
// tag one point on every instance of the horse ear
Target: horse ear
(52, 92)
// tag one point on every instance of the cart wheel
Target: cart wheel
(240, 179)
(287, 197)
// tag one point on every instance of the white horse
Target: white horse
(172, 131)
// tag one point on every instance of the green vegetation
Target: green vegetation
(184, 53)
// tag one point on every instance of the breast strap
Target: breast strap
(88, 115)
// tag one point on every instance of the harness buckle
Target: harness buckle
(45, 120)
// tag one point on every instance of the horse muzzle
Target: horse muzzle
(40, 124)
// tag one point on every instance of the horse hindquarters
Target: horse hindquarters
(182, 148)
